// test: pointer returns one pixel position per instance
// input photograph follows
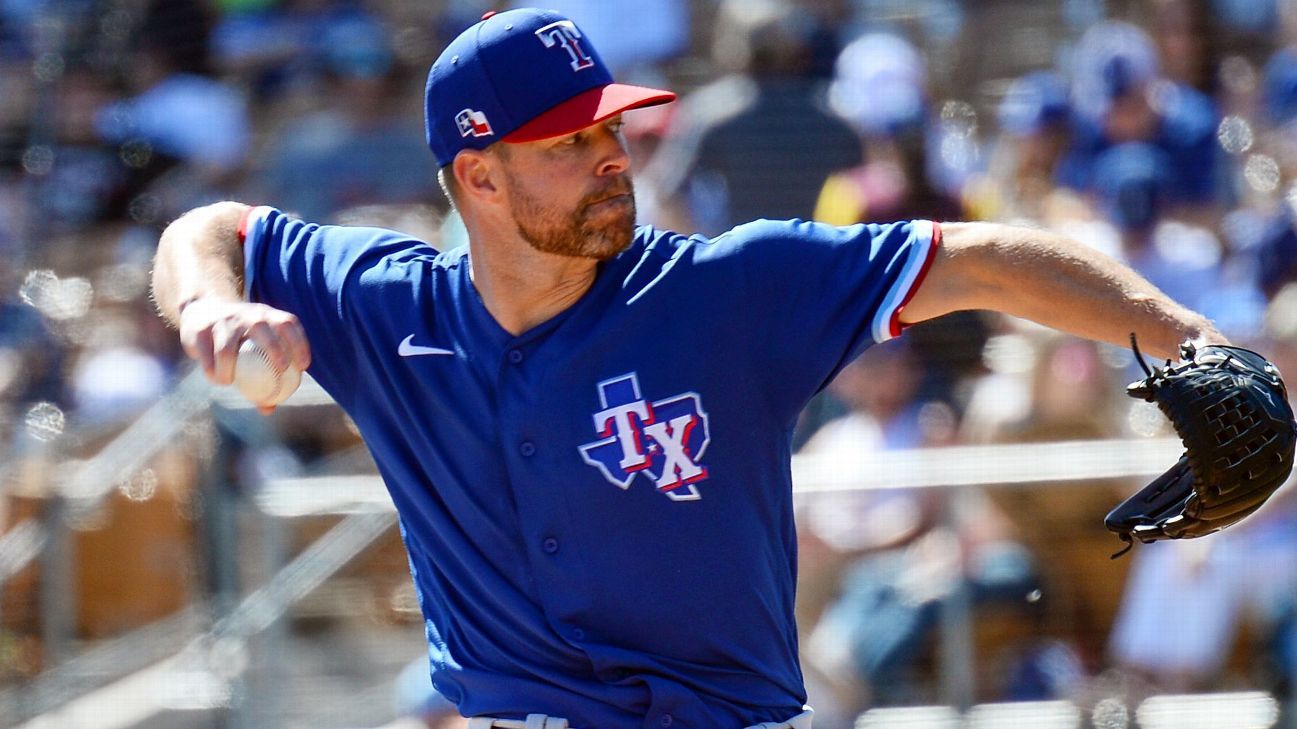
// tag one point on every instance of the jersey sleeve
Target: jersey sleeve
(819, 295)
(314, 271)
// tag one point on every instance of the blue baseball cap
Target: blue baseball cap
(1034, 102)
(1111, 60)
(520, 76)
(878, 85)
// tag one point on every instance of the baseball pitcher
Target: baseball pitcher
(584, 424)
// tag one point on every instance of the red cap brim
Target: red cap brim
(586, 108)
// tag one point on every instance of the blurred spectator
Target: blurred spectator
(1044, 388)
(760, 142)
(1034, 133)
(88, 181)
(880, 391)
(1185, 261)
(360, 149)
(1113, 66)
(632, 35)
(278, 47)
(1280, 105)
(828, 20)
(880, 88)
(31, 356)
(32, 362)
(838, 530)
(898, 558)
(1273, 201)
(114, 378)
(1206, 588)
(1187, 42)
(178, 108)
(1120, 98)
(1064, 392)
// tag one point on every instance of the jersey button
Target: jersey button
(666, 720)
(578, 634)
(527, 449)
(515, 356)
(550, 545)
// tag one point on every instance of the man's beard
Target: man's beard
(585, 233)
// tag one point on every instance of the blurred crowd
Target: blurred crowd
(1161, 132)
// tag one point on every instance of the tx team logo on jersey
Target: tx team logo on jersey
(564, 33)
(662, 439)
(473, 124)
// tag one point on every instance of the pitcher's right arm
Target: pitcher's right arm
(198, 288)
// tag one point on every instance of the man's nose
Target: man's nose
(615, 160)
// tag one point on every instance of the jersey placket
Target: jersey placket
(531, 460)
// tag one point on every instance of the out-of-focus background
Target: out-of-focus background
(169, 558)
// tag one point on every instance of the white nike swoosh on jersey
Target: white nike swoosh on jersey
(407, 349)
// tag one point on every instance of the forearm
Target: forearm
(1058, 282)
(199, 257)
(200, 261)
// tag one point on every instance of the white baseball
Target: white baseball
(259, 381)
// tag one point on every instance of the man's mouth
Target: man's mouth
(616, 198)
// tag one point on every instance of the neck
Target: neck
(521, 286)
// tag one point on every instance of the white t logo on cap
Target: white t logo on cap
(564, 33)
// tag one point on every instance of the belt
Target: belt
(533, 721)
(543, 721)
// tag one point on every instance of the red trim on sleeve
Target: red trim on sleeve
(243, 225)
(894, 325)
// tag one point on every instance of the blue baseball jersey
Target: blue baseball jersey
(598, 512)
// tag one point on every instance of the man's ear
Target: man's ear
(477, 174)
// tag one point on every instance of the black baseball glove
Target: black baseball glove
(1230, 407)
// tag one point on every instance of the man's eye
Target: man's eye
(616, 126)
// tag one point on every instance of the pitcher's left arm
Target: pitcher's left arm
(1056, 281)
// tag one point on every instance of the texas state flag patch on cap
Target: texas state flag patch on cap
(473, 124)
